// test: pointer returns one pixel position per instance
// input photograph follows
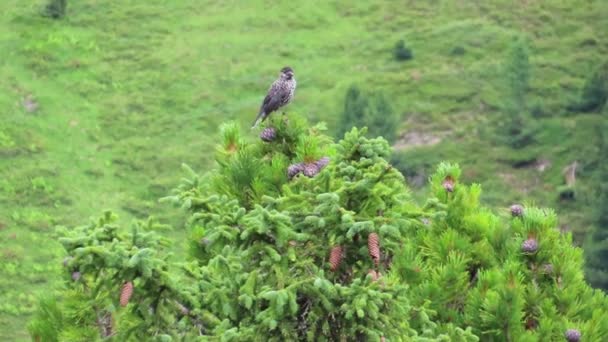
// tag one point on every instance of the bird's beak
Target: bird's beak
(290, 74)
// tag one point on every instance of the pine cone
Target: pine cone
(373, 247)
(573, 335)
(321, 163)
(448, 184)
(126, 293)
(268, 134)
(310, 169)
(76, 276)
(531, 323)
(375, 275)
(529, 246)
(294, 169)
(335, 258)
(517, 210)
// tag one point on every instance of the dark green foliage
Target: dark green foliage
(602, 204)
(372, 110)
(594, 95)
(56, 8)
(597, 245)
(402, 52)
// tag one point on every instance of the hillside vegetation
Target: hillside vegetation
(100, 108)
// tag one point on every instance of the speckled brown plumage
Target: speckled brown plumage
(280, 94)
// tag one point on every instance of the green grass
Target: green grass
(129, 90)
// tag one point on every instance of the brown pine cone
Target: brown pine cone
(294, 169)
(529, 246)
(516, 210)
(321, 163)
(335, 257)
(310, 169)
(126, 293)
(373, 246)
(448, 184)
(268, 134)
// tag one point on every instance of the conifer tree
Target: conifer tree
(354, 110)
(371, 110)
(594, 94)
(518, 127)
(55, 9)
(296, 238)
(118, 285)
(597, 246)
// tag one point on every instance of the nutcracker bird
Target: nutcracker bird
(280, 94)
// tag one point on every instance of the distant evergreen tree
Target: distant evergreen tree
(56, 8)
(594, 95)
(297, 238)
(353, 114)
(402, 52)
(518, 74)
(519, 127)
(368, 110)
(597, 246)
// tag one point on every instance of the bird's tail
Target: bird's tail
(260, 118)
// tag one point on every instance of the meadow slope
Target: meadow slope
(127, 91)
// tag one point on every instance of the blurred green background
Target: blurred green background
(99, 108)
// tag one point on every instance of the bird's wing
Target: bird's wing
(274, 98)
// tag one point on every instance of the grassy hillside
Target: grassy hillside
(127, 91)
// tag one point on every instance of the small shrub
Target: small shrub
(458, 51)
(55, 9)
(402, 52)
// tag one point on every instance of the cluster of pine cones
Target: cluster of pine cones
(308, 169)
(311, 169)
(373, 246)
